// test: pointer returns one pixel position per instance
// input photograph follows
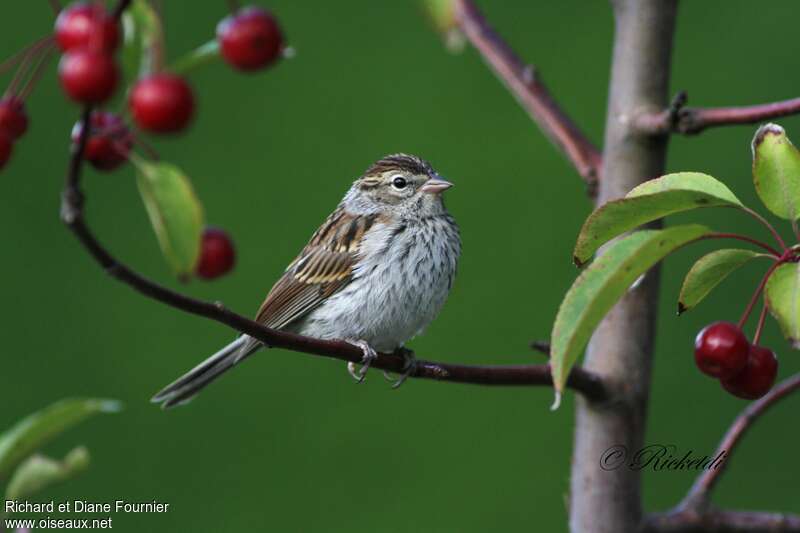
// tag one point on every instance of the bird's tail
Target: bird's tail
(187, 386)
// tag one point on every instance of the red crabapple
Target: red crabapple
(6, 147)
(217, 255)
(250, 38)
(757, 377)
(82, 25)
(87, 76)
(720, 350)
(162, 103)
(13, 120)
(109, 140)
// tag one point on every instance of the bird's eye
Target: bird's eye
(399, 182)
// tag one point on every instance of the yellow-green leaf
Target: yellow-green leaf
(602, 284)
(708, 272)
(442, 15)
(783, 299)
(38, 429)
(38, 472)
(650, 201)
(776, 171)
(175, 213)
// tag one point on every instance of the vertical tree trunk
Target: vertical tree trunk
(601, 500)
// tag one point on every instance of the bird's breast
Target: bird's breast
(400, 282)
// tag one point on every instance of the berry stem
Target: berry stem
(745, 238)
(759, 290)
(38, 70)
(16, 58)
(25, 58)
(233, 5)
(151, 152)
(769, 226)
(761, 319)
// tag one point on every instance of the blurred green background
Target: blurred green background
(287, 442)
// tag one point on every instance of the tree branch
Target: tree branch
(695, 513)
(528, 89)
(72, 215)
(693, 120)
(721, 521)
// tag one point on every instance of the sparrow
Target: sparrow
(374, 274)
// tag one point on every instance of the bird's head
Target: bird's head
(401, 184)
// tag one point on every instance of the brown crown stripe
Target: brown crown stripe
(405, 162)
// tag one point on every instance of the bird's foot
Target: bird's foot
(409, 367)
(369, 356)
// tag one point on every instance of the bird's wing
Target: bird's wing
(324, 267)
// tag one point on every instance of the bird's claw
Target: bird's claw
(369, 355)
(409, 367)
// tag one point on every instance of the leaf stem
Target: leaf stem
(205, 53)
(745, 238)
(769, 226)
(760, 289)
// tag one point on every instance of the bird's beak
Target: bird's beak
(436, 186)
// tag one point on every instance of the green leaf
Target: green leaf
(602, 284)
(783, 300)
(201, 55)
(143, 40)
(708, 272)
(650, 201)
(38, 472)
(38, 429)
(175, 213)
(776, 171)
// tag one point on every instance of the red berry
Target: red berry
(88, 77)
(109, 140)
(13, 120)
(250, 38)
(757, 377)
(86, 25)
(6, 147)
(720, 350)
(217, 255)
(162, 103)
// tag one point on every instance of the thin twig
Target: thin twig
(692, 120)
(541, 347)
(699, 493)
(695, 513)
(528, 89)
